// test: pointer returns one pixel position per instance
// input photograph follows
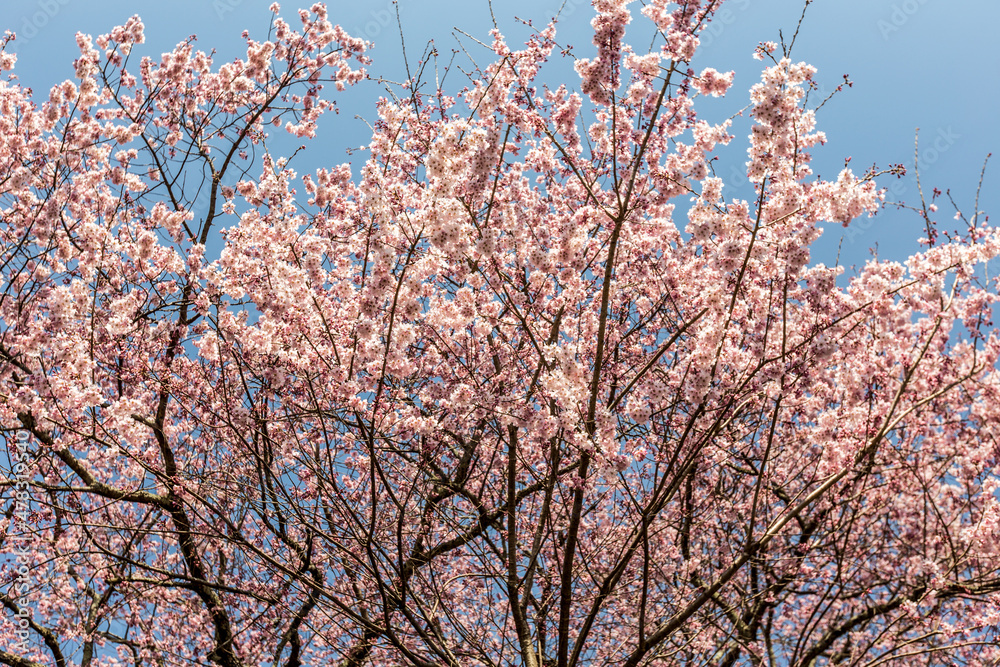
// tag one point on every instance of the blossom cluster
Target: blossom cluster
(527, 385)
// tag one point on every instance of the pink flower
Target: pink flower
(711, 82)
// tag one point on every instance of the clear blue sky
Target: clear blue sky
(933, 64)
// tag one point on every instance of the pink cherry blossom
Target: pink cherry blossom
(528, 386)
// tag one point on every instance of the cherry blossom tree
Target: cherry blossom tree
(527, 390)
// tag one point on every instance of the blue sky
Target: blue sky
(932, 64)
